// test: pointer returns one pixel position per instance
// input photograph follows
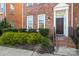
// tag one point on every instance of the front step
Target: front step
(64, 41)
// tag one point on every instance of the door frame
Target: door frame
(60, 7)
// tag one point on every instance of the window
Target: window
(29, 4)
(2, 7)
(29, 22)
(41, 21)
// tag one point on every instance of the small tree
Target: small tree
(3, 25)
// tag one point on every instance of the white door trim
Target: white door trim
(58, 8)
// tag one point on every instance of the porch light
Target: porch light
(49, 18)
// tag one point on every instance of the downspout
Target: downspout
(72, 23)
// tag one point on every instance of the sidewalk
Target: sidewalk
(61, 51)
(64, 51)
(6, 51)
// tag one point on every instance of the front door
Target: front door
(59, 25)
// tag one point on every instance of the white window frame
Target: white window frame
(44, 19)
(32, 21)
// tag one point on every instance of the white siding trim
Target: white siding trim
(44, 20)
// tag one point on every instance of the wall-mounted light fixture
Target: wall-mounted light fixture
(49, 18)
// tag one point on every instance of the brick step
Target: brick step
(64, 41)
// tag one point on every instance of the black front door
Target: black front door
(59, 25)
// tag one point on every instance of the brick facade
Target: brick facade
(42, 8)
(16, 16)
(76, 14)
(48, 10)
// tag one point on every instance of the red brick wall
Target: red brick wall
(48, 10)
(37, 9)
(17, 16)
(76, 14)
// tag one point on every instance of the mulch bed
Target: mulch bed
(50, 49)
(34, 47)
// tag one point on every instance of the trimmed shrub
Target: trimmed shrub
(77, 37)
(31, 31)
(14, 38)
(34, 38)
(22, 30)
(6, 38)
(44, 42)
(77, 31)
(10, 30)
(1, 32)
(14, 30)
(44, 32)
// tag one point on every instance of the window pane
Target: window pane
(41, 21)
(29, 22)
(41, 25)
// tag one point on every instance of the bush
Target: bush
(77, 31)
(77, 37)
(44, 42)
(14, 38)
(1, 32)
(32, 31)
(10, 30)
(34, 38)
(14, 30)
(3, 25)
(44, 32)
(22, 30)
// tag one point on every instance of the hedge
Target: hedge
(77, 37)
(43, 32)
(21, 38)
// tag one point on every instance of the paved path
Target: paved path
(61, 51)
(64, 51)
(6, 51)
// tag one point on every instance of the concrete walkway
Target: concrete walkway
(64, 51)
(6, 51)
(60, 51)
